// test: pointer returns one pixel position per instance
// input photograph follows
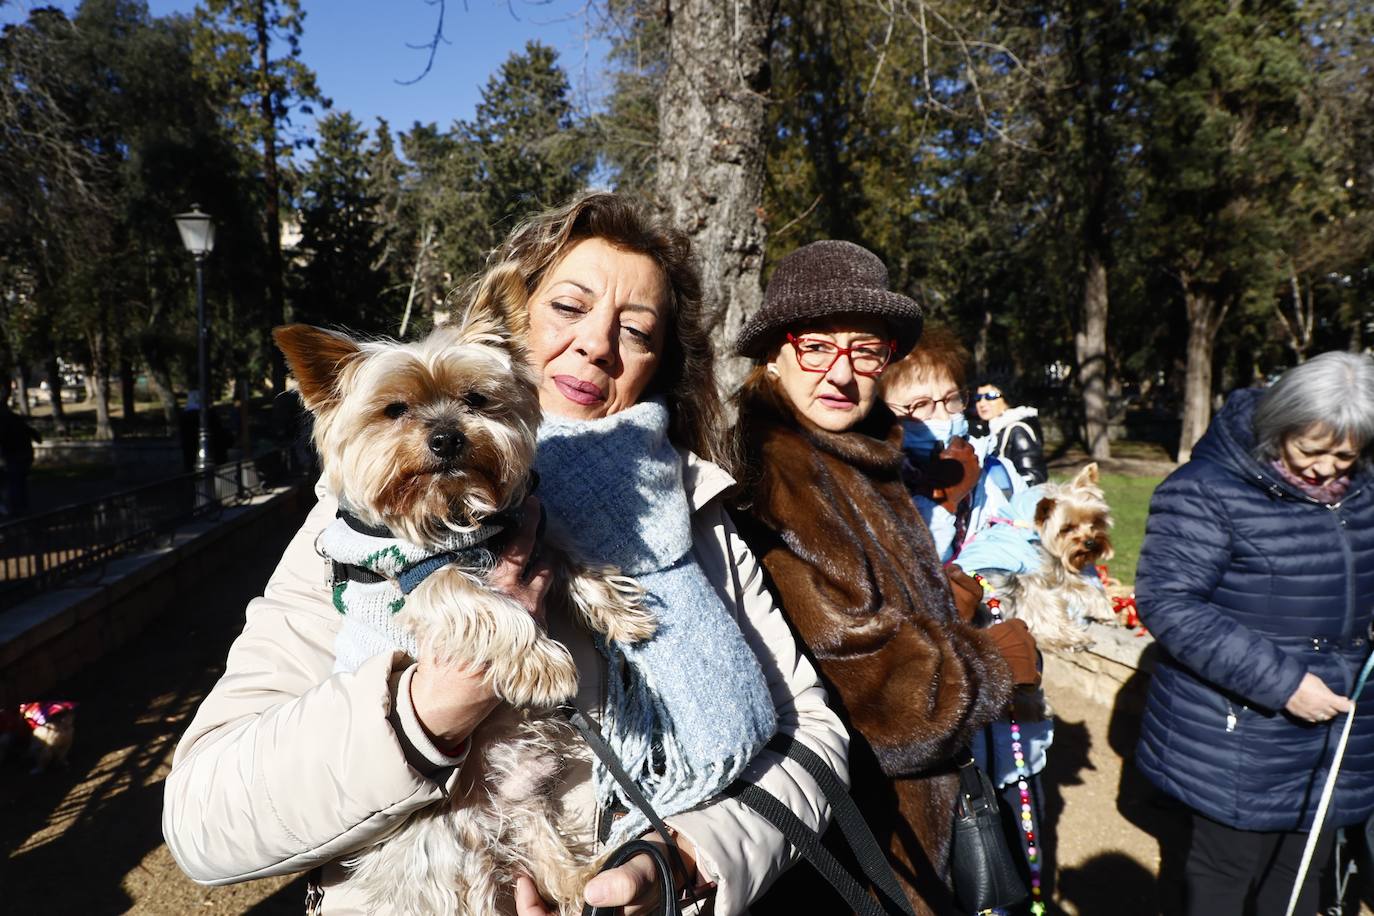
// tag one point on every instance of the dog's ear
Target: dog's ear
(1043, 510)
(316, 358)
(1086, 477)
(502, 297)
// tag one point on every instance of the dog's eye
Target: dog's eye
(395, 410)
(1067, 529)
(476, 400)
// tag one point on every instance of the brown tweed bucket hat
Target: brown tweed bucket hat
(828, 278)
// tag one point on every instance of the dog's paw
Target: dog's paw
(540, 678)
(612, 604)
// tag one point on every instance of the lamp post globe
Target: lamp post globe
(198, 235)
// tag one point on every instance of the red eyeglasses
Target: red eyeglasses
(815, 354)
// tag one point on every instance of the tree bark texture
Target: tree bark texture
(711, 154)
(1205, 315)
(161, 381)
(1090, 344)
(98, 385)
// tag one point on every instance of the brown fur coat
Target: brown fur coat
(856, 572)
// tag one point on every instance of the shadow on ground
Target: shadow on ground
(88, 838)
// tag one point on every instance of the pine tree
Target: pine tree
(1225, 116)
(235, 47)
(341, 242)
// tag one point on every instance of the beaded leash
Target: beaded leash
(1027, 822)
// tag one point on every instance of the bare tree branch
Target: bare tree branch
(432, 46)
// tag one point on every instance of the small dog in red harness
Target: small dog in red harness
(48, 727)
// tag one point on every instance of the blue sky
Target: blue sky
(357, 49)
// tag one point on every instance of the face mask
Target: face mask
(923, 438)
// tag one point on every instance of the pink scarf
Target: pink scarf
(1330, 493)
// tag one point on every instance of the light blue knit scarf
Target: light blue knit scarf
(694, 708)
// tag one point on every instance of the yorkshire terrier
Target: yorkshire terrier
(1057, 600)
(422, 441)
(46, 728)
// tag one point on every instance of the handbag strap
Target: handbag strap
(808, 844)
(844, 812)
(592, 735)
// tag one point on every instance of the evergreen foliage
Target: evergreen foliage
(1175, 196)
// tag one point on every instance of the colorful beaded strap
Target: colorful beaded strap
(994, 606)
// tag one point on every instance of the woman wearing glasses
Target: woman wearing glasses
(961, 492)
(1015, 430)
(826, 510)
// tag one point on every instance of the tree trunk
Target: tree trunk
(59, 414)
(98, 384)
(711, 154)
(1090, 344)
(981, 342)
(126, 394)
(21, 378)
(245, 430)
(1205, 315)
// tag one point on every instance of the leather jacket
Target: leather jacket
(1018, 439)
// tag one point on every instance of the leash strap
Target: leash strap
(592, 736)
(808, 844)
(1328, 790)
(667, 900)
(845, 813)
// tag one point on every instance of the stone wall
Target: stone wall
(54, 635)
(1112, 672)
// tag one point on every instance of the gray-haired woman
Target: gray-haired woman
(1257, 579)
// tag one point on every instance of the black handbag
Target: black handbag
(982, 868)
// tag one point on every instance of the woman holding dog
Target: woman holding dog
(1256, 577)
(290, 765)
(826, 511)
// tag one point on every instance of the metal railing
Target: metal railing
(39, 552)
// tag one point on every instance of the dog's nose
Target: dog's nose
(446, 443)
(1090, 545)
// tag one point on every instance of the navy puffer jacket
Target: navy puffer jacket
(1248, 584)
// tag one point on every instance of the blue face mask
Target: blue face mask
(923, 438)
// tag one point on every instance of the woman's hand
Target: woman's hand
(1313, 701)
(634, 885)
(451, 700)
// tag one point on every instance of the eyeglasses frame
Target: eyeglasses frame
(841, 351)
(985, 396)
(904, 410)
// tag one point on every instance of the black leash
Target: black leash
(665, 866)
(845, 813)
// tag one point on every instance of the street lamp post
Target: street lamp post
(198, 235)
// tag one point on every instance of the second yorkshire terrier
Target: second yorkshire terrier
(426, 445)
(1074, 524)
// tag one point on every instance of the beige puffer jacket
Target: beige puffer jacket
(288, 766)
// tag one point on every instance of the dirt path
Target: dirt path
(88, 839)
